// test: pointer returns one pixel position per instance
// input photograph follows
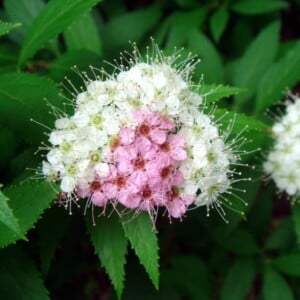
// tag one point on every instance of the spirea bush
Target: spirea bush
(168, 171)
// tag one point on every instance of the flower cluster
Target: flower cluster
(139, 138)
(283, 162)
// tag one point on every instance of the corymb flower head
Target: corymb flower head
(283, 161)
(140, 139)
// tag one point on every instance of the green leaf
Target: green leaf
(7, 27)
(22, 11)
(288, 264)
(142, 236)
(24, 165)
(110, 244)
(250, 7)
(257, 59)
(187, 3)
(8, 145)
(286, 46)
(241, 242)
(213, 93)
(53, 19)
(7, 217)
(211, 65)
(281, 76)
(84, 35)
(254, 130)
(27, 201)
(51, 229)
(218, 23)
(261, 212)
(296, 220)
(116, 34)
(19, 277)
(82, 59)
(176, 25)
(239, 279)
(8, 58)
(22, 96)
(275, 287)
(281, 237)
(197, 281)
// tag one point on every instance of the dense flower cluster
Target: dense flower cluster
(139, 139)
(283, 162)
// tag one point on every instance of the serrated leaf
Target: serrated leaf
(116, 35)
(6, 27)
(257, 59)
(28, 201)
(296, 220)
(55, 17)
(7, 217)
(19, 277)
(275, 287)
(51, 229)
(254, 130)
(22, 98)
(218, 23)
(210, 65)
(22, 11)
(244, 270)
(281, 76)
(250, 7)
(83, 34)
(213, 93)
(142, 237)
(110, 244)
(288, 264)
(281, 237)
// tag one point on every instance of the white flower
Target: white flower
(68, 184)
(55, 156)
(199, 153)
(283, 161)
(101, 169)
(63, 123)
(57, 137)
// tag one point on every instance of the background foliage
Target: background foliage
(47, 254)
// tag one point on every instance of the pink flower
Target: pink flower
(95, 192)
(177, 203)
(153, 126)
(127, 136)
(120, 189)
(147, 198)
(98, 197)
(143, 168)
(164, 176)
(174, 147)
(83, 192)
